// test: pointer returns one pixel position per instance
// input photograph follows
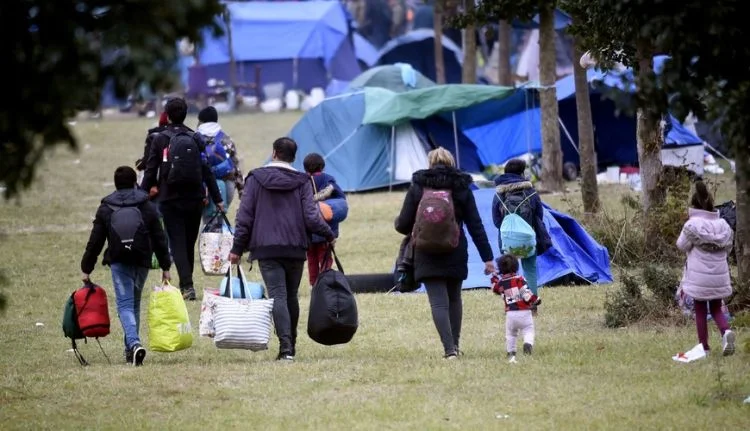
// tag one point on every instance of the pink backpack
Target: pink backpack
(435, 228)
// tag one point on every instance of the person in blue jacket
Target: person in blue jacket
(513, 182)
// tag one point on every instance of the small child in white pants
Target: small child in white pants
(519, 301)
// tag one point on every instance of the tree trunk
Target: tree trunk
(650, 138)
(438, 24)
(552, 179)
(470, 48)
(586, 149)
(505, 76)
(742, 243)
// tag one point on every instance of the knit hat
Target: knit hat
(208, 115)
(163, 119)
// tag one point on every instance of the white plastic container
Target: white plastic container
(613, 174)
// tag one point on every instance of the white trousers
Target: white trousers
(519, 320)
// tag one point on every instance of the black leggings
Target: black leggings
(447, 310)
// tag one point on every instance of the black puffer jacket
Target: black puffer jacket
(454, 264)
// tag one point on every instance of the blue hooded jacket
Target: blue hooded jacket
(512, 183)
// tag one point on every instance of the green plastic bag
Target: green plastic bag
(168, 320)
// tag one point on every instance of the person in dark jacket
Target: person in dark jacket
(128, 272)
(513, 180)
(276, 217)
(181, 207)
(324, 187)
(443, 274)
(140, 164)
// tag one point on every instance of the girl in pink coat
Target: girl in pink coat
(707, 239)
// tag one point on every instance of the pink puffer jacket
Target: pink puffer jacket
(706, 238)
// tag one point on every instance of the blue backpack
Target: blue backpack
(220, 162)
(516, 233)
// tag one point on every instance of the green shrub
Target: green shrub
(624, 233)
(629, 305)
(626, 305)
(662, 282)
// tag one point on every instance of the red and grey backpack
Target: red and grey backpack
(86, 315)
(435, 228)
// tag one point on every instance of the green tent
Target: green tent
(389, 108)
(394, 77)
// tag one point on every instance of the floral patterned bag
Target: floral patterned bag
(214, 245)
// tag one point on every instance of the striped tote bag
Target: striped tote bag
(244, 324)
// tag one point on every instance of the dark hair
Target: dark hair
(515, 166)
(176, 110)
(702, 198)
(507, 264)
(314, 163)
(285, 149)
(125, 178)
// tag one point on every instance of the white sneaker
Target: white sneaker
(727, 343)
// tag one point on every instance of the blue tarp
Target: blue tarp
(417, 48)
(298, 43)
(574, 255)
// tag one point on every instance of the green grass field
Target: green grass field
(391, 376)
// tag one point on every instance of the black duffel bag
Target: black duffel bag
(333, 317)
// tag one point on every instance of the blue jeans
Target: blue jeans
(226, 188)
(529, 272)
(128, 281)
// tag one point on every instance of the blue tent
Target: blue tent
(371, 156)
(366, 53)
(574, 256)
(417, 48)
(518, 129)
(302, 44)
(375, 137)
(614, 135)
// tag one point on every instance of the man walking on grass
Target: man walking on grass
(130, 225)
(277, 214)
(176, 175)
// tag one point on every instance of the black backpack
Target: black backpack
(128, 236)
(333, 317)
(184, 160)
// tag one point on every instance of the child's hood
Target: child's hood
(708, 229)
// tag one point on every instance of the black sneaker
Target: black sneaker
(527, 348)
(128, 356)
(139, 353)
(511, 354)
(285, 357)
(188, 294)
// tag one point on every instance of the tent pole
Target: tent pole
(455, 140)
(295, 74)
(232, 62)
(393, 156)
(570, 138)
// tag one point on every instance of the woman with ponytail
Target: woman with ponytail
(707, 240)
